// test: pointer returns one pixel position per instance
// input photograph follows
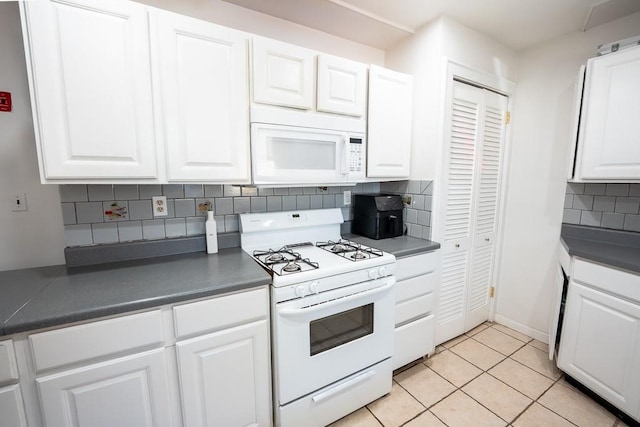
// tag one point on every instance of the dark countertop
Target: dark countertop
(48, 296)
(611, 247)
(401, 246)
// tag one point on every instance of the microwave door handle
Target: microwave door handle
(298, 312)
(345, 154)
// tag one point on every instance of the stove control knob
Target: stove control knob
(373, 273)
(382, 271)
(314, 287)
(299, 290)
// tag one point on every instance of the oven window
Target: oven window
(340, 328)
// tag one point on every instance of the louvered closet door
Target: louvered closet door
(472, 180)
(487, 191)
(458, 182)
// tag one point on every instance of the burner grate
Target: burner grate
(350, 250)
(284, 261)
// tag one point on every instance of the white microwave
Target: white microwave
(286, 155)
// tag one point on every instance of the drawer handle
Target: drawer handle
(318, 398)
(457, 245)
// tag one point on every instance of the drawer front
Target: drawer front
(8, 367)
(86, 342)
(416, 265)
(414, 308)
(413, 341)
(221, 312)
(415, 286)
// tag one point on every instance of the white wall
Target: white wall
(33, 238)
(536, 181)
(233, 16)
(423, 55)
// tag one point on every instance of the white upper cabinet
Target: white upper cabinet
(90, 77)
(608, 144)
(283, 74)
(342, 86)
(204, 87)
(389, 123)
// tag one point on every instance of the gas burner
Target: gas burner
(276, 257)
(358, 255)
(350, 250)
(292, 267)
(284, 261)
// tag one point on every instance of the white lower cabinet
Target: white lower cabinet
(201, 363)
(224, 377)
(417, 282)
(130, 391)
(600, 342)
(11, 407)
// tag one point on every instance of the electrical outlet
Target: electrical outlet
(159, 205)
(19, 202)
(407, 201)
(347, 198)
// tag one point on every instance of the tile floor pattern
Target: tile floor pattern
(490, 376)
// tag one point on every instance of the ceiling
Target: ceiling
(382, 23)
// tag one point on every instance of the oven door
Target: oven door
(326, 337)
(289, 154)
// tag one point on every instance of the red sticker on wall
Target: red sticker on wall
(5, 101)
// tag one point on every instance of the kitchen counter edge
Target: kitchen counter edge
(400, 247)
(613, 248)
(44, 297)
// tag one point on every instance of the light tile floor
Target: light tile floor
(490, 376)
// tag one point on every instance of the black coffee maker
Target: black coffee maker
(377, 216)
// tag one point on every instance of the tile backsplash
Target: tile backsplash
(418, 196)
(99, 214)
(615, 206)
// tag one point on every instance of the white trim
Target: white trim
(523, 329)
(451, 70)
(373, 16)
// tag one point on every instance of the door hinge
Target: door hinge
(492, 292)
(507, 118)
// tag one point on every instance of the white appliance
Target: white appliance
(332, 310)
(306, 148)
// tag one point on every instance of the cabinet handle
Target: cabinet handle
(457, 245)
(486, 239)
(342, 387)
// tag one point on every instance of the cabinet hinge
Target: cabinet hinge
(507, 118)
(492, 292)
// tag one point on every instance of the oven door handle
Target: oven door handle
(295, 312)
(318, 398)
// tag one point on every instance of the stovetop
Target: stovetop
(303, 246)
(308, 261)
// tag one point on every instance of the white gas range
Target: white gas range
(332, 310)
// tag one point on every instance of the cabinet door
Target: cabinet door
(131, 391)
(90, 82)
(11, 407)
(610, 129)
(485, 212)
(225, 377)
(471, 179)
(205, 99)
(389, 123)
(455, 232)
(342, 86)
(283, 74)
(600, 345)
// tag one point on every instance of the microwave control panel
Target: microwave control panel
(356, 156)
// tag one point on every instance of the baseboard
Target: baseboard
(523, 329)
